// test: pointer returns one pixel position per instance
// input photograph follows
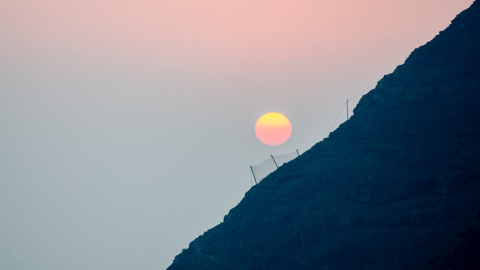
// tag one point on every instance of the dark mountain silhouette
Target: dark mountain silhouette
(395, 187)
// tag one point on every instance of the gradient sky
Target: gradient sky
(127, 127)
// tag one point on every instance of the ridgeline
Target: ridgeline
(395, 187)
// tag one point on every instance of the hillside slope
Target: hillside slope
(395, 187)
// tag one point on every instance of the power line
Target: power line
(363, 91)
(344, 105)
(262, 170)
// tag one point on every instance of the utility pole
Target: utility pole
(274, 161)
(347, 109)
(254, 178)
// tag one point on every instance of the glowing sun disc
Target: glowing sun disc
(273, 128)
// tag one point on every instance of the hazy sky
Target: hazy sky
(127, 127)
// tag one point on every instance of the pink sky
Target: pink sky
(239, 38)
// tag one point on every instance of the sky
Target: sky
(127, 127)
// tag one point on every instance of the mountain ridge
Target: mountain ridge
(395, 187)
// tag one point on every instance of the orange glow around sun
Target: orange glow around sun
(273, 128)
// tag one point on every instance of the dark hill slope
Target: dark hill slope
(395, 187)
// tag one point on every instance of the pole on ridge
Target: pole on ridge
(347, 108)
(297, 153)
(254, 178)
(274, 161)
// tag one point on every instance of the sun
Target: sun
(273, 128)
